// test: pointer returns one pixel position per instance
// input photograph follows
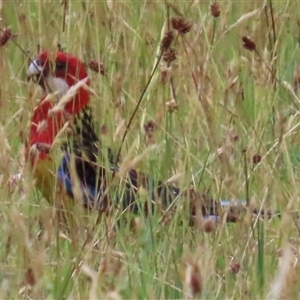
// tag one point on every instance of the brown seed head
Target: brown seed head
(256, 159)
(209, 225)
(104, 130)
(215, 9)
(150, 126)
(235, 267)
(29, 278)
(248, 44)
(172, 105)
(193, 280)
(181, 25)
(5, 37)
(167, 40)
(196, 282)
(164, 75)
(97, 67)
(169, 55)
(232, 218)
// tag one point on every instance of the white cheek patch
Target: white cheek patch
(34, 68)
(57, 86)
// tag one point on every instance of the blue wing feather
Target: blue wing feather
(90, 192)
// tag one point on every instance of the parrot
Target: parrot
(63, 119)
(62, 108)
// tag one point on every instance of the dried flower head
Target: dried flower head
(232, 217)
(256, 159)
(172, 105)
(209, 225)
(181, 25)
(235, 267)
(167, 40)
(248, 44)
(29, 277)
(104, 130)
(150, 126)
(215, 9)
(192, 278)
(97, 67)
(164, 75)
(5, 37)
(169, 55)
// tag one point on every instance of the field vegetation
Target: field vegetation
(217, 110)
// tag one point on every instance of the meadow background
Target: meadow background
(226, 120)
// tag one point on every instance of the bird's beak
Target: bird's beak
(35, 68)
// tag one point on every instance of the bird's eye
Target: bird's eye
(60, 65)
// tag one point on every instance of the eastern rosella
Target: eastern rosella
(65, 107)
(60, 109)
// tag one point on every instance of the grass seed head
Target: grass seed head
(192, 278)
(149, 126)
(164, 75)
(5, 37)
(215, 9)
(182, 25)
(104, 130)
(29, 278)
(167, 40)
(172, 105)
(209, 225)
(97, 67)
(235, 267)
(169, 55)
(256, 159)
(248, 44)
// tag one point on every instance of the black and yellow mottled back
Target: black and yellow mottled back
(89, 158)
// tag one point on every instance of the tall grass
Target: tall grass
(234, 135)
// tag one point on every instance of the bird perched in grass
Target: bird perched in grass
(63, 119)
(82, 169)
(56, 76)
